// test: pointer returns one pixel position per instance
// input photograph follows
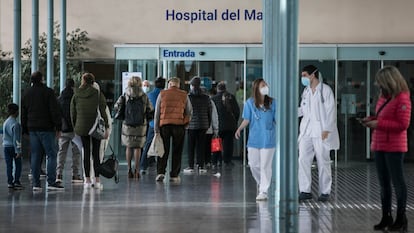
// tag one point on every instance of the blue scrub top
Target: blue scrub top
(262, 125)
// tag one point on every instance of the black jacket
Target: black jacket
(228, 111)
(201, 117)
(40, 109)
(64, 102)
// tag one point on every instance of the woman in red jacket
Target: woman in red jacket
(389, 143)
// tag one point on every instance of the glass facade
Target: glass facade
(348, 69)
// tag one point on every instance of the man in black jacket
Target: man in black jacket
(67, 136)
(41, 118)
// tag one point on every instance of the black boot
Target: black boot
(400, 224)
(386, 221)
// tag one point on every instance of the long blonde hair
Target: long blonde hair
(135, 81)
(391, 81)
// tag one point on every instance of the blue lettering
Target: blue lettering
(253, 15)
(176, 53)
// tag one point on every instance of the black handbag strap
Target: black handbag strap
(382, 106)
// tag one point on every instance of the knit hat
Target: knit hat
(196, 81)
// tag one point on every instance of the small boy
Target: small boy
(12, 147)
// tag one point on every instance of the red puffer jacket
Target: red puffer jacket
(393, 121)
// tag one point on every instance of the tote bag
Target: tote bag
(157, 147)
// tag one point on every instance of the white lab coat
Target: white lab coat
(317, 116)
(326, 117)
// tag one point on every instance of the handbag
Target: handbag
(216, 144)
(109, 167)
(156, 147)
(98, 128)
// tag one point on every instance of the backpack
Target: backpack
(134, 111)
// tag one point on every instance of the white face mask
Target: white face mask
(145, 89)
(264, 90)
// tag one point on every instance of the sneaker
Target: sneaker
(160, 178)
(188, 170)
(55, 187)
(10, 186)
(323, 197)
(175, 179)
(261, 197)
(304, 196)
(59, 179)
(77, 179)
(143, 171)
(202, 170)
(18, 186)
(87, 185)
(37, 189)
(98, 185)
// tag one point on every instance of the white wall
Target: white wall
(111, 22)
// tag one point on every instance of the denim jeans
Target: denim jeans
(47, 141)
(390, 168)
(144, 160)
(9, 157)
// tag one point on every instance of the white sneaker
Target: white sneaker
(160, 178)
(37, 189)
(202, 170)
(98, 185)
(188, 170)
(261, 197)
(87, 185)
(175, 179)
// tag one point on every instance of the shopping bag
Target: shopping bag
(216, 144)
(156, 147)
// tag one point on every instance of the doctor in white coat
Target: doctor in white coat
(318, 133)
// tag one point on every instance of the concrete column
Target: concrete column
(63, 46)
(35, 35)
(280, 69)
(17, 48)
(49, 59)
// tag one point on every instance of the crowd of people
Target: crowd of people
(172, 113)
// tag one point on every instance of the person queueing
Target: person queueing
(390, 143)
(67, 136)
(259, 113)
(152, 96)
(12, 147)
(83, 110)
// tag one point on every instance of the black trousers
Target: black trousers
(177, 133)
(196, 142)
(96, 144)
(390, 168)
(228, 140)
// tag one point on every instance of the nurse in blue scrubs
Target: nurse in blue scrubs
(259, 113)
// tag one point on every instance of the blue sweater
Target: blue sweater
(11, 134)
(153, 95)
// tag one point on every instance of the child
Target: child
(12, 147)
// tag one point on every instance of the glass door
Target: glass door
(357, 96)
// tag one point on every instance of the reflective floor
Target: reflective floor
(200, 203)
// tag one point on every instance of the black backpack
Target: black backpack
(134, 111)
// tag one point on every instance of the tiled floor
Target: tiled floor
(200, 203)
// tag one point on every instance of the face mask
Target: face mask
(264, 90)
(145, 89)
(305, 81)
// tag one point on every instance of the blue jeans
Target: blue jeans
(390, 168)
(9, 157)
(144, 160)
(47, 141)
